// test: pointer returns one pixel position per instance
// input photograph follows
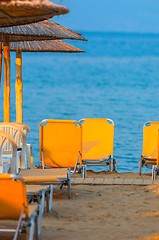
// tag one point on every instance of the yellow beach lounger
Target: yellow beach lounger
(16, 216)
(60, 152)
(150, 148)
(97, 142)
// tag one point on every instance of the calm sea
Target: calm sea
(117, 78)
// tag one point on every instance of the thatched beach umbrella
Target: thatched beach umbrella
(36, 31)
(17, 12)
(34, 46)
(44, 46)
(45, 30)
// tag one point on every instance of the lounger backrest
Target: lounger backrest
(97, 138)
(13, 198)
(150, 139)
(60, 143)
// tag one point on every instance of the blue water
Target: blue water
(117, 78)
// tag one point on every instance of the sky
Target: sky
(111, 15)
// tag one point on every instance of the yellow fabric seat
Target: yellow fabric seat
(44, 175)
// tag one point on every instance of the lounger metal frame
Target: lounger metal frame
(42, 196)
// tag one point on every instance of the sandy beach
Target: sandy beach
(104, 212)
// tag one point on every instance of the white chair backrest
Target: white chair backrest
(23, 126)
(17, 133)
(6, 139)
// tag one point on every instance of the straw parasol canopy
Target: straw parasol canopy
(44, 46)
(17, 12)
(34, 46)
(39, 31)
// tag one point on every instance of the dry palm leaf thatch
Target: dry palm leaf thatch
(17, 12)
(44, 46)
(39, 31)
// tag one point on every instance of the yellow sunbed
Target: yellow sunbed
(60, 151)
(150, 148)
(98, 142)
(16, 216)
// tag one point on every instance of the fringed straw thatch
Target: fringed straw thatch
(39, 31)
(44, 46)
(17, 12)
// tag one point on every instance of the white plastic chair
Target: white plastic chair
(8, 163)
(19, 135)
(28, 147)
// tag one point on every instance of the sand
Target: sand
(104, 212)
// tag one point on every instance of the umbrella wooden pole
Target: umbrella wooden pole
(6, 97)
(19, 88)
(1, 57)
(158, 151)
